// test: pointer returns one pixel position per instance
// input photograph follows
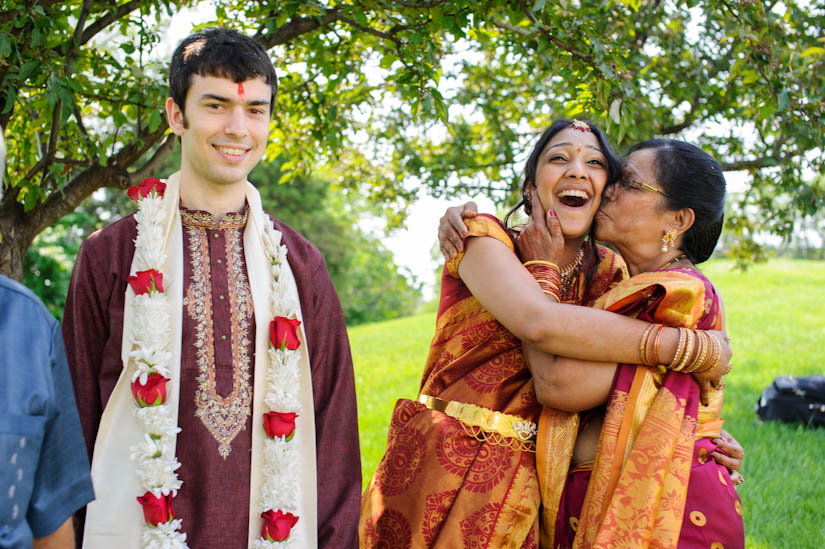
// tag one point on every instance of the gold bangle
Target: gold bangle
(715, 355)
(643, 344)
(689, 343)
(554, 294)
(655, 356)
(540, 262)
(680, 348)
(649, 360)
(701, 353)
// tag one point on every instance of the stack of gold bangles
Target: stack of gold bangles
(547, 275)
(696, 352)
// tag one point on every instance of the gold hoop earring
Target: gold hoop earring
(668, 240)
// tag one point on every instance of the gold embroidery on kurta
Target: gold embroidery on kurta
(223, 416)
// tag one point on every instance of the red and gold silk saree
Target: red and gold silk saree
(653, 483)
(448, 482)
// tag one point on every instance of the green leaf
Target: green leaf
(387, 60)
(154, 120)
(5, 45)
(28, 69)
(784, 100)
(11, 97)
(815, 50)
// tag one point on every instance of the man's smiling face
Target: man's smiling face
(223, 130)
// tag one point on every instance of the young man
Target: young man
(223, 281)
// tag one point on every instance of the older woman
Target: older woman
(460, 463)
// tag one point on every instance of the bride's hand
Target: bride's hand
(541, 238)
(452, 230)
(713, 378)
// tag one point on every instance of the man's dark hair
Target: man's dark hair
(220, 52)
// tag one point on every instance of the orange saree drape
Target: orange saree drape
(654, 442)
(460, 464)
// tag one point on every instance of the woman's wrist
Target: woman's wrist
(679, 349)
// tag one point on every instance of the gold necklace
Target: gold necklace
(673, 261)
(569, 272)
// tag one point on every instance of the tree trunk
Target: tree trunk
(15, 238)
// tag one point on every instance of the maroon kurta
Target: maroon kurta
(217, 358)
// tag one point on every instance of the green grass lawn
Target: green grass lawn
(776, 321)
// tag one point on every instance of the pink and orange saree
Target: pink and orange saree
(653, 482)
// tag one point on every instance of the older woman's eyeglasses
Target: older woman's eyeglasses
(628, 182)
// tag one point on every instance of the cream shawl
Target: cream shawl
(115, 518)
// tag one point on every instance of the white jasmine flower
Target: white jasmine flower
(164, 536)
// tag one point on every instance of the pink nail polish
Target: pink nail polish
(552, 213)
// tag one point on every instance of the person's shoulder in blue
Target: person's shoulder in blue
(44, 468)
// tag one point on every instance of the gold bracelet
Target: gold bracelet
(689, 343)
(650, 360)
(701, 354)
(540, 262)
(680, 348)
(715, 355)
(655, 356)
(643, 344)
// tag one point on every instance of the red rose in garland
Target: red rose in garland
(157, 510)
(283, 333)
(277, 525)
(145, 188)
(145, 282)
(151, 394)
(280, 424)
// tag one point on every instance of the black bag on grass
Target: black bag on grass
(791, 398)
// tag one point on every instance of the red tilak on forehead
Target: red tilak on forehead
(240, 90)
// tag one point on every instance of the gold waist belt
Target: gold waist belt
(487, 425)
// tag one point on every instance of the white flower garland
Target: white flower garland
(155, 456)
(281, 459)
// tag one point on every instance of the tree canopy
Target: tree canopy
(439, 96)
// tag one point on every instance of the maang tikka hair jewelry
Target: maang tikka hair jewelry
(579, 125)
(668, 240)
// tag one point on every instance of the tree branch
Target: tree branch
(688, 121)
(78, 30)
(157, 159)
(295, 28)
(512, 28)
(81, 186)
(51, 149)
(756, 163)
(372, 31)
(545, 30)
(105, 20)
